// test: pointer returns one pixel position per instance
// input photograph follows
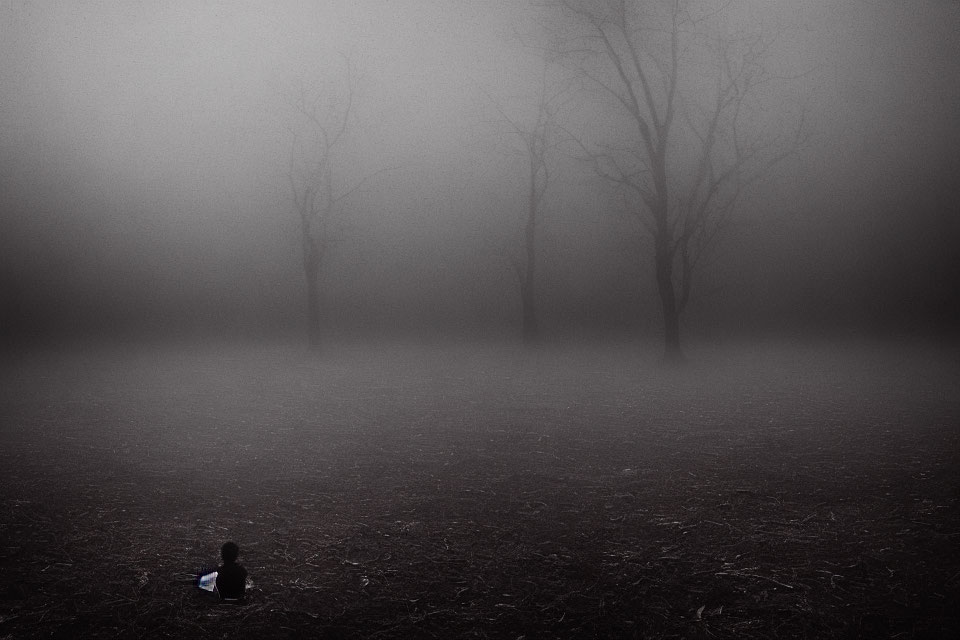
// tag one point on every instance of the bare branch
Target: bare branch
(361, 183)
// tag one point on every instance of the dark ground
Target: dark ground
(470, 492)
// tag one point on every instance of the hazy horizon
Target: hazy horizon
(144, 151)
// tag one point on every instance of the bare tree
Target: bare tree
(318, 194)
(536, 138)
(688, 86)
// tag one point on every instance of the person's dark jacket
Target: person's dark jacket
(231, 580)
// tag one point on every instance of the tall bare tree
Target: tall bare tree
(536, 137)
(318, 194)
(687, 84)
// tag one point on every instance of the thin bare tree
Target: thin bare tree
(536, 138)
(687, 84)
(318, 194)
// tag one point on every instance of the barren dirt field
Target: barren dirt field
(478, 492)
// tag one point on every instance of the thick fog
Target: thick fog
(145, 166)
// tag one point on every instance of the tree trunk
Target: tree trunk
(311, 267)
(531, 329)
(668, 304)
(313, 313)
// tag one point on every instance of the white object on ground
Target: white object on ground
(208, 582)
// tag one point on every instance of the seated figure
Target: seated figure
(229, 581)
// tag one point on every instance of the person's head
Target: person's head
(229, 551)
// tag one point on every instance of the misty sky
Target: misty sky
(144, 145)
